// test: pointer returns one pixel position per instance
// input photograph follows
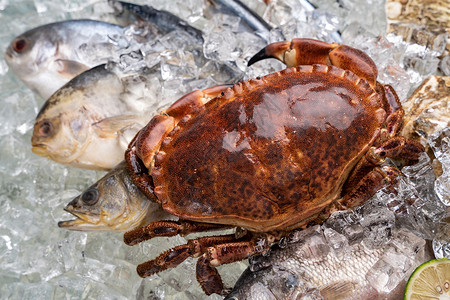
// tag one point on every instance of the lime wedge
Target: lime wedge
(430, 281)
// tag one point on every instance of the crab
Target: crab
(268, 155)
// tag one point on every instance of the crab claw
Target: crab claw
(309, 51)
(297, 52)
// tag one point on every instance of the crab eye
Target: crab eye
(20, 45)
(46, 128)
(90, 197)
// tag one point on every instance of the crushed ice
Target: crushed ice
(41, 261)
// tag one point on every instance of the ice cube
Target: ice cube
(312, 244)
(378, 224)
(68, 285)
(346, 223)
(282, 12)
(338, 242)
(441, 241)
(442, 188)
(440, 143)
(444, 65)
(400, 257)
(220, 45)
(383, 277)
(408, 243)
(27, 291)
(397, 259)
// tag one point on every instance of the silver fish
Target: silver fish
(164, 21)
(89, 122)
(308, 267)
(48, 56)
(113, 203)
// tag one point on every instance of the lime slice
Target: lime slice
(430, 281)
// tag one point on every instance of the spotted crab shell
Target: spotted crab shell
(270, 153)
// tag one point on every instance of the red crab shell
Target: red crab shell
(271, 153)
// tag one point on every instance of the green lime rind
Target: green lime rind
(437, 264)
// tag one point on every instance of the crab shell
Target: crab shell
(270, 153)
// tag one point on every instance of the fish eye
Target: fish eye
(46, 128)
(90, 197)
(20, 45)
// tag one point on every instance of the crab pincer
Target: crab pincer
(308, 51)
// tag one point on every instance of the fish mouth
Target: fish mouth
(80, 223)
(9, 54)
(39, 149)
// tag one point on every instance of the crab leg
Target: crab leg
(369, 185)
(394, 111)
(214, 251)
(400, 148)
(392, 101)
(167, 228)
(175, 256)
(397, 148)
(208, 276)
(194, 101)
(308, 51)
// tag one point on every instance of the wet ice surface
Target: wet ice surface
(39, 260)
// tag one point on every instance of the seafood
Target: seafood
(428, 109)
(269, 155)
(307, 266)
(48, 56)
(164, 20)
(113, 203)
(436, 17)
(89, 122)
(428, 27)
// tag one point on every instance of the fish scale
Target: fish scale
(323, 273)
(308, 265)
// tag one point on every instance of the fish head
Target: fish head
(21, 54)
(62, 135)
(85, 208)
(113, 203)
(40, 59)
(30, 51)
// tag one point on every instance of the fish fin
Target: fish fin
(114, 126)
(70, 68)
(338, 290)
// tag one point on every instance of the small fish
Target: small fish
(307, 267)
(48, 56)
(113, 203)
(89, 122)
(164, 21)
